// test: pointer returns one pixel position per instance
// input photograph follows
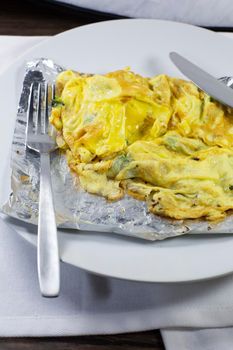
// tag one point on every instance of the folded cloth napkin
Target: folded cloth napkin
(212, 13)
(90, 304)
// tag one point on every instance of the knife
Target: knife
(206, 82)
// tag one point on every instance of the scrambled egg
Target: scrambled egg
(160, 139)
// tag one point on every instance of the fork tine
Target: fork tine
(29, 128)
(46, 110)
(38, 111)
(53, 91)
(49, 103)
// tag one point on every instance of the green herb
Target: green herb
(57, 101)
(88, 119)
(119, 163)
(172, 142)
(212, 99)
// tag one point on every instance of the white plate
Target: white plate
(144, 45)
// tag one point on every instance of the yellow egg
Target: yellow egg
(158, 139)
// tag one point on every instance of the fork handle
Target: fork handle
(47, 251)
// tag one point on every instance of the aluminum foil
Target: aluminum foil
(75, 208)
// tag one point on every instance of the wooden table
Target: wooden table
(28, 18)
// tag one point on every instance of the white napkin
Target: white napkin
(90, 304)
(198, 339)
(213, 13)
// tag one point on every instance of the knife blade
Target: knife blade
(205, 81)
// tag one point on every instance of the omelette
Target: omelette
(161, 140)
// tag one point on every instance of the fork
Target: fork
(38, 140)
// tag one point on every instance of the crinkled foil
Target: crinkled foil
(75, 208)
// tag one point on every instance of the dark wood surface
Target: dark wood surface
(40, 17)
(18, 17)
(131, 341)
